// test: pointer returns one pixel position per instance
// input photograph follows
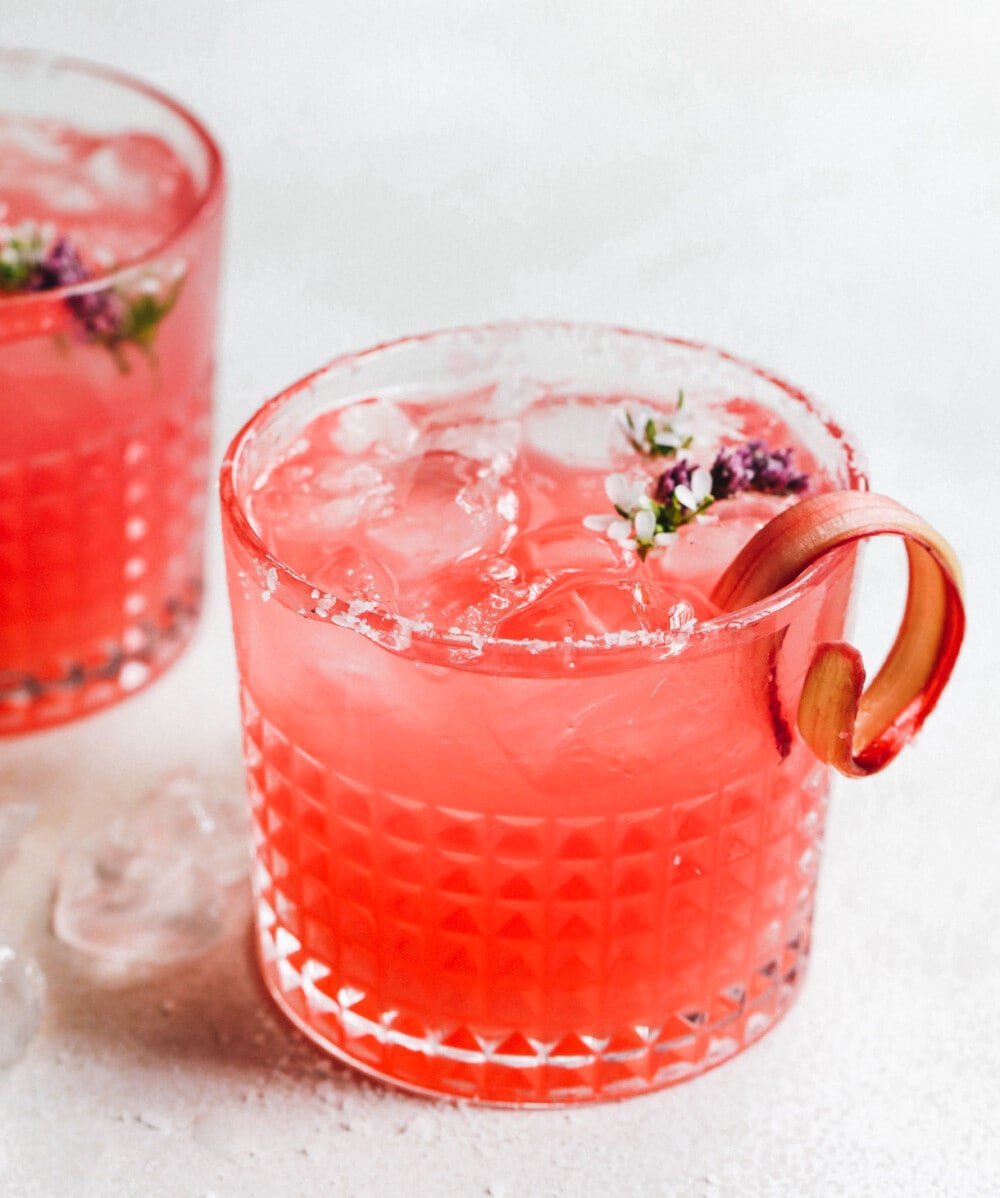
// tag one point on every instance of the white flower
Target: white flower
(616, 528)
(669, 439)
(633, 421)
(694, 495)
(620, 531)
(644, 523)
(627, 494)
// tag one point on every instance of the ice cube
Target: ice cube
(304, 510)
(470, 599)
(329, 496)
(450, 512)
(575, 430)
(134, 170)
(705, 547)
(567, 545)
(129, 894)
(352, 574)
(513, 394)
(492, 444)
(15, 819)
(580, 607)
(375, 427)
(188, 815)
(22, 1001)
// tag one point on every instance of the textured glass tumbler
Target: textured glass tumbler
(513, 876)
(105, 390)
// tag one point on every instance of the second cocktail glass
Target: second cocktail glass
(110, 228)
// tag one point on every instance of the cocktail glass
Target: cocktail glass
(106, 362)
(518, 872)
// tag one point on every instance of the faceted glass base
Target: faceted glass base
(514, 1071)
(30, 704)
(530, 960)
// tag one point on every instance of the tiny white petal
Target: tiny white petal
(620, 530)
(624, 492)
(701, 483)
(664, 538)
(617, 487)
(667, 440)
(639, 497)
(645, 525)
(685, 496)
(599, 523)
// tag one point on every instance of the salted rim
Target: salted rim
(207, 200)
(377, 624)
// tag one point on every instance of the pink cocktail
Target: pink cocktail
(110, 226)
(533, 819)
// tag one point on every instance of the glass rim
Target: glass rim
(69, 64)
(377, 624)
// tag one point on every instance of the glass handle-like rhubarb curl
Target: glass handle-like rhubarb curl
(858, 731)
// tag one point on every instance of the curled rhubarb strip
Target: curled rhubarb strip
(858, 731)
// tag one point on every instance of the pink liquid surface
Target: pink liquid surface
(516, 875)
(103, 456)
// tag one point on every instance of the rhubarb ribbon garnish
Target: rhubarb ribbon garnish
(855, 730)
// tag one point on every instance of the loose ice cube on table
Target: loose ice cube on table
(22, 1000)
(192, 816)
(149, 887)
(124, 904)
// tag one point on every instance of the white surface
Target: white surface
(816, 186)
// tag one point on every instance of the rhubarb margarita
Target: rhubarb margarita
(110, 216)
(533, 819)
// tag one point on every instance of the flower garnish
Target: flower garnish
(645, 520)
(32, 259)
(649, 512)
(656, 437)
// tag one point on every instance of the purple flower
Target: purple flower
(99, 313)
(773, 472)
(756, 467)
(61, 267)
(731, 472)
(678, 475)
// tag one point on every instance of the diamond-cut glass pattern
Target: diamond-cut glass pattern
(101, 556)
(531, 959)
